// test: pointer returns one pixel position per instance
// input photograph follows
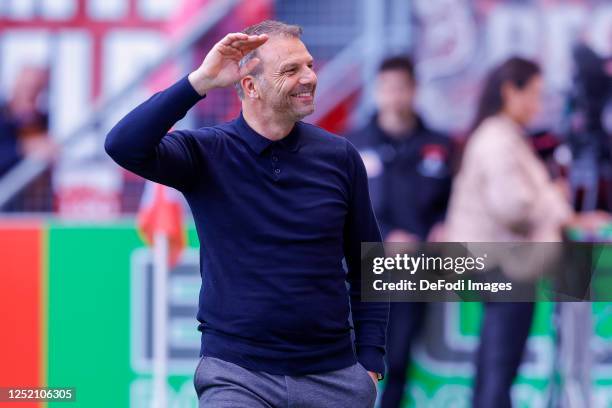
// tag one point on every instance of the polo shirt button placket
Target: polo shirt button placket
(275, 170)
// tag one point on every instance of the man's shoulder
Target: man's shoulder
(217, 132)
(217, 129)
(364, 137)
(313, 134)
(211, 139)
(324, 144)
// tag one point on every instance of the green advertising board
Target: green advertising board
(93, 319)
(97, 282)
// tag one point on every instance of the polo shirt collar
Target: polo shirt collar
(258, 143)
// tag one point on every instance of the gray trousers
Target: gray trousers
(220, 384)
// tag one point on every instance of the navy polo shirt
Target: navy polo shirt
(275, 220)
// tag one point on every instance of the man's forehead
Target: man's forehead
(281, 50)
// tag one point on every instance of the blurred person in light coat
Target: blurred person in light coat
(503, 193)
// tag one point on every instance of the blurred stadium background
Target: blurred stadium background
(75, 279)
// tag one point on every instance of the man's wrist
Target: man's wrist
(200, 83)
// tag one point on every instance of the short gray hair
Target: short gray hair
(272, 28)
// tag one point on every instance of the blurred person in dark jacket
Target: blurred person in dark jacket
(23, 133)
(409, 172)
(10, 152)
(408, 164)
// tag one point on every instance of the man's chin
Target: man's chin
(302, 113)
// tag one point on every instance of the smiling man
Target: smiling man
(277, 204)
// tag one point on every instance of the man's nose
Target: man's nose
(309, 77)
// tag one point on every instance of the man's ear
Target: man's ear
(248, 86)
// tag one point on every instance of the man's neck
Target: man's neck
(396, 125)
(268, 125)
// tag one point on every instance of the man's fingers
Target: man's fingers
(249, 67)
(229, 51)
(231, 37)
(238, 45)
(249, 43)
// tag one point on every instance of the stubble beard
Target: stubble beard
(286, 108)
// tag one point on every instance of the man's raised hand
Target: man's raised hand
(220, 67)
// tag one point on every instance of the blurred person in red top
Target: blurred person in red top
(23, 133)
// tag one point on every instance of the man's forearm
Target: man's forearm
(370, 322)
(137, 135)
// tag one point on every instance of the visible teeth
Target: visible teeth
(303, 94)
